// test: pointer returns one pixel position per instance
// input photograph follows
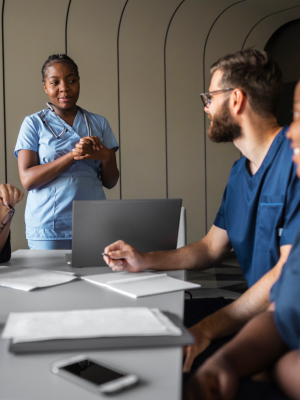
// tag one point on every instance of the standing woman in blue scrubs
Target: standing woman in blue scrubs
(64, 153)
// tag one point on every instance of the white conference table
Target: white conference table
(28, 377)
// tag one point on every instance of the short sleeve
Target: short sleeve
(109, 139)
(291, 219)
(28, 138)
(6, 251)
(220, 218)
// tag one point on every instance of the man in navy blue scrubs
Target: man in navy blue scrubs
(260, 211)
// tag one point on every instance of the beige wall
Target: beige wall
(142, 65)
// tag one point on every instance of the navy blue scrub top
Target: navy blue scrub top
(262, 212)
(286, 294)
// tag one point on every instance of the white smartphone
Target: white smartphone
(90, 374)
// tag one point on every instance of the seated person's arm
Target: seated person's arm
(231, 318)
(9, 197)
(205, 253)
(256, 347)
(287, 373)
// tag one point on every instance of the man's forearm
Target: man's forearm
(193, 256)
(255, 300)
(206, 253)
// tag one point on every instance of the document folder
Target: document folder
(106, 343)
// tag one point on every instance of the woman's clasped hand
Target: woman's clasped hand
(91, 148)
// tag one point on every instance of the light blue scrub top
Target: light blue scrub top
(48, 214)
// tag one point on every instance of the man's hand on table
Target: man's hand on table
(124, 257)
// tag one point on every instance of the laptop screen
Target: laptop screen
(147, 225)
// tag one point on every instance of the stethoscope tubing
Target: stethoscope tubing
(50, 108)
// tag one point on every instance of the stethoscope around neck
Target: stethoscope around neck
(51, 109)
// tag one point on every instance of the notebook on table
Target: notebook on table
(147, 225)
(94, 329)
(140, 284)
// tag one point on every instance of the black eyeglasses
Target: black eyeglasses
(206, 97)
(7, 218)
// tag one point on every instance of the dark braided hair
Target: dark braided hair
(57, 58)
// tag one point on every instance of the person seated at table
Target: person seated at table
(64, 153)
(260, 211)
(9, 197)
(271, 339)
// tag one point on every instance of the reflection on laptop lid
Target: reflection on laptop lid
(147, 225)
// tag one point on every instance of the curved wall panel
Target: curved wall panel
(264, 29)
(185, 116)
(33, 30)
(92, 42)
(144, 82)
(142, 104)
(227, 37)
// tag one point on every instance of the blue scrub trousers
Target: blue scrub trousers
(49, 244)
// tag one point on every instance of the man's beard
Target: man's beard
(223, 127)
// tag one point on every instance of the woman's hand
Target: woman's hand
(92, 140)
(192, 351)
(10, 195)
(91, 148)
(215, 379)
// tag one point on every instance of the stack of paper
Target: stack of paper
(140, 284)
(112, 322)
(32, 278)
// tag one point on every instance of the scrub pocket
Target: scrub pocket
(40, 208)
(269, 220)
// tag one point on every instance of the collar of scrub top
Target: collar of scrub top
(50, 108)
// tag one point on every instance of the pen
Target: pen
(106, 255)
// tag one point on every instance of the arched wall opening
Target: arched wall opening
(284, 48)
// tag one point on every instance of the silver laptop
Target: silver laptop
(147, 225)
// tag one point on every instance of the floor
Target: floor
(225, 280)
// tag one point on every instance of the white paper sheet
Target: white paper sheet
(36, 326)
(32, 278)
(140, 284)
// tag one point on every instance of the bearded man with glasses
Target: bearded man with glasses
(9, 197)
(260, 211)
